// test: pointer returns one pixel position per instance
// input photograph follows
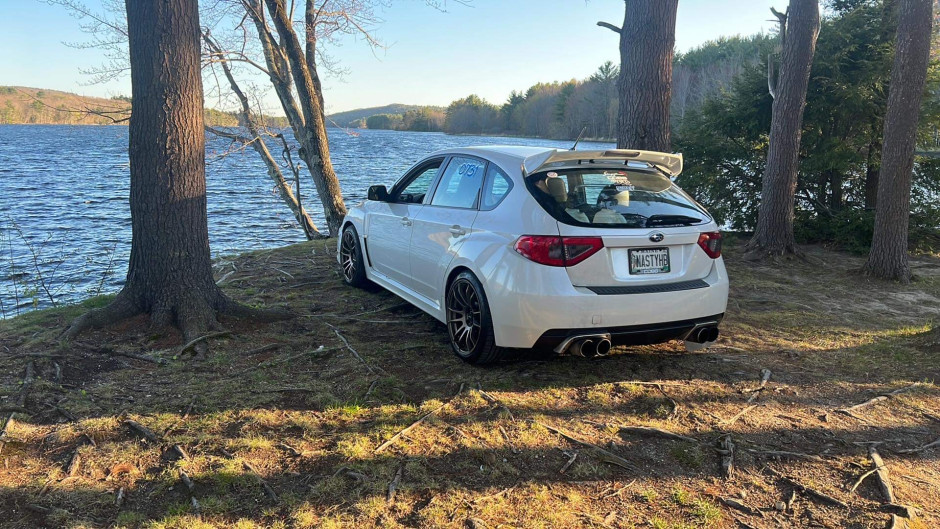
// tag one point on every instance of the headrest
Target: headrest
(557, 188)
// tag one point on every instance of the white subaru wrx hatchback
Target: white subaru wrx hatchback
(522, 247)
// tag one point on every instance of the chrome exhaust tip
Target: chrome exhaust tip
(603, 347)
(584, 348)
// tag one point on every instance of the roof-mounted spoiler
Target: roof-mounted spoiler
(671, 164)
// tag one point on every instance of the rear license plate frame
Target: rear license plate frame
(645, 271)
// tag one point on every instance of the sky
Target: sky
(432, 57)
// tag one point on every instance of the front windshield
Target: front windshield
(614, 198)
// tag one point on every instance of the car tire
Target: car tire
(351, 262)
(469, 322)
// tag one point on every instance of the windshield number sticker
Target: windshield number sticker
(468, 169)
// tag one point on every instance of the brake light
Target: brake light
(711, 242)
(557, 251)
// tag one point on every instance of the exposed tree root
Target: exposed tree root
(195, 314)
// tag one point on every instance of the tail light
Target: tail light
(557, 251)
(711, 242)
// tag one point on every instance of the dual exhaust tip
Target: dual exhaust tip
(704, 334)
(590, 347)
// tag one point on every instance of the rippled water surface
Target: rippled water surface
(65, 227)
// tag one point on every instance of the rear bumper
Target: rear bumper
(535, 304)
(631, 334)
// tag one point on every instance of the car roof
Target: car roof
(509, 157)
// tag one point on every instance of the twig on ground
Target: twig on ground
(764, 378)
(371, 387)
(354, 352)
(415, 424)
(119, 498)
(600, 453)
(279, 361)
(879, 398)
(785, 454)
(493, 400)
(494, 496)
(675, 405)
(726, 450)
(619, 491)
(735, 504)
(107, 351)
(927, 446)
(572, 456)
(807, 490)
(255, 474)
(512, 447)
(740, 414)
(862, 478)
(393, 485)
(142, 430)
(649, 431)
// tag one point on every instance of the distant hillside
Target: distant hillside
(351, 117)
(23, 105)
(20, 104)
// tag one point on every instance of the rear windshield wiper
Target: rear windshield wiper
(672, 220)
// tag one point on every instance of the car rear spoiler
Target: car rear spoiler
(671, 164)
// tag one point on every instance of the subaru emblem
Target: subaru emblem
(657, 237)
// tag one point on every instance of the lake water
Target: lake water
(64, 215)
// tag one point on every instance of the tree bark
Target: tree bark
(315, 149)
(257, 143)
(888, 258)
(170, 270)
(647, 43)
(774, 232)
(871, 172)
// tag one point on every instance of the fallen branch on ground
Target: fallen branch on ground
(393, 485)
(740, 414)
(726, 450)
(879, 398)
(600, 453)
(107, 351)
(255, 474)
(354, 352)
(782, 453)
(735, 504)
(764, 378)
(807, 490)
(142, 430)
(881, 472)
(646, 431)
(571, 460)
(927, 446)
(493, 400)
(413, 425)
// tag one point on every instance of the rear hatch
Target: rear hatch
(650, 228)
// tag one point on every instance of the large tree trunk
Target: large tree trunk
(170, 270)
(647, 43)
(888, 258)
(774, 232)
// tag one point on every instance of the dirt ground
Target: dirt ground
(356, 414)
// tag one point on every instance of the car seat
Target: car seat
(559, 191)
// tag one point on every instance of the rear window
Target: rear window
(614, 198)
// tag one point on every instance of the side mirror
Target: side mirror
(378, 193)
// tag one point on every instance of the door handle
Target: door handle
(457, 230)
(405, 221)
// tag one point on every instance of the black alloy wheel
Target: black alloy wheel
(350, 258)
(469, 323)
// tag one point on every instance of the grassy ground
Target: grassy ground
(284, 426)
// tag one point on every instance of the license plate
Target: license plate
(649, 261)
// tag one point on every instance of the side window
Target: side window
(415, 190)
(460, 183)
(496, 187)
